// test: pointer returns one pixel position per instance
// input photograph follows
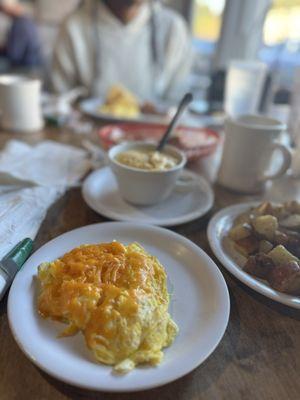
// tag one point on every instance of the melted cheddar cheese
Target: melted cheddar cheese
(116, 296)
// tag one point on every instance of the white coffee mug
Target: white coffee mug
(146, 187)
(294, 117)
(20, 103)
(250, 142)
(244, 86)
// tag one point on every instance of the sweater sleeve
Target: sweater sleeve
(64, 74)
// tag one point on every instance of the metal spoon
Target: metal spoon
(186, 100)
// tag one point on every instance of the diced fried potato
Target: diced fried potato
(291, 222)
(292, 207)
(264, 208)
(266, 225)
(231, 249)
(280, 238)
(259, 265)
(268, 208)
(244, 218)
(279, 212)
(280, 255)
(248, 245)
(240, 231)
(265, 246)
(286, 278)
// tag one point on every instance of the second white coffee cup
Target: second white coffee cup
(250, 142)
(20, 103)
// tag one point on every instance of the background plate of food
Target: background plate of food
(121, 105)
(120, 303)
(195, 142)
(259, 243)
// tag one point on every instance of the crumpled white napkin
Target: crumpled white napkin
(32, 178)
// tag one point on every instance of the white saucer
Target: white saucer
(100, 192)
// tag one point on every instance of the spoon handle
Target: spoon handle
(186, 100)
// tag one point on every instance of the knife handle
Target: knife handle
(20, 252)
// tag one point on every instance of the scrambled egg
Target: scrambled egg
(120, 103)
(117, 296)
(147, 160)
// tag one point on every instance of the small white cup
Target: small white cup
(250, 142)
(244, 86)
(20, 105)
(144, 187)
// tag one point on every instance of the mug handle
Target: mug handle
(286, 162)
(186, 181)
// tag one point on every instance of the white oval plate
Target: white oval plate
(92, 106)
(100, 192)
(200, 306)
(218, 227)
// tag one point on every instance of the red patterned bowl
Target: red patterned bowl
(195, 142)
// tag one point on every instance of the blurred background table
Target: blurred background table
(258, 358)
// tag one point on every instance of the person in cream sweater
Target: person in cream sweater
(140, 44)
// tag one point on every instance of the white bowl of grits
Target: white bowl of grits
(145, 176)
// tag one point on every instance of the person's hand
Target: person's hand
(12, 10)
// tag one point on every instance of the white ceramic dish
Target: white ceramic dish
(146, 187)
(218, 227)
(92, 106)
(200, 306)
(100, 192)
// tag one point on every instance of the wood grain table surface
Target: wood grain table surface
(258, 357)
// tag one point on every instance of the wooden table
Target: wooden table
(258, 358)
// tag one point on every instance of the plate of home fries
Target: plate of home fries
(118, 307)
(259, 243)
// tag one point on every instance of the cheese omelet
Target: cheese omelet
(117, 296)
